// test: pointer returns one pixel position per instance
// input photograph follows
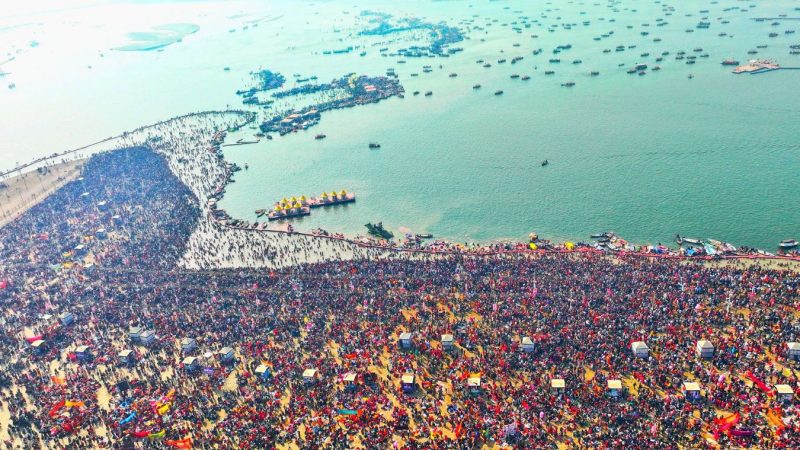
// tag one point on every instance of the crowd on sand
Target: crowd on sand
(102, 258)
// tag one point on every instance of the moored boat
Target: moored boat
(788, 243)
(377, 230)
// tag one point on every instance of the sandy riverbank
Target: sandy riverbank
(21, 192)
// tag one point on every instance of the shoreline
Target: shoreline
(202, 167)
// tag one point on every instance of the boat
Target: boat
(514, 76)
(477, 86)
(416, 93)
(374, 145)
(498, 92)
(545, 162)
(424, 236)
(688, 241)
(730, 62)
(603, 235)
(320, 136)
(525, 78)
(428, 94)
(568, 84)
(548, 72)
(378, 231)
(788, 243)
(260, 212)
(594, 73)
(453, 75)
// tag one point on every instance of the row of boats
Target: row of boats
(301, 206)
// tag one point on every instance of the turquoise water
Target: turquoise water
(646, 156)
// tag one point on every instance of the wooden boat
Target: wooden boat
(378, 231)
(788, 243)
(688, 241)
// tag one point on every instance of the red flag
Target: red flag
(758, 383)
(724, 424)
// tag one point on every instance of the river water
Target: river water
(646, 156)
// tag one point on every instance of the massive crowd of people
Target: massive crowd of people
(108, 251)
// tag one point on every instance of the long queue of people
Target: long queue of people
(111, 343)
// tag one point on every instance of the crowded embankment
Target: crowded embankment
(137, 315)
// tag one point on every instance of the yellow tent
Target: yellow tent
(533, 246)
(343, 193)
(298, 205)
(283, 200)
(324, 195)
(569, 245)
(293, 199)
(333, 194)
(302, 198)
(278, 208)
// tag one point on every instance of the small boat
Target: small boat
(730, 62)
(378, 231)
(453, 75)
(568, 84)
(688, 241)
(525, 78)
(595, 73)
(545, 162)
(549, 72)
(416, 93)
(260, 212)
(788, 243)
(428, 94)
(424, 236)
(374, 145)
(477, 86)
(320, 136)
(514, 76)
(498, 92)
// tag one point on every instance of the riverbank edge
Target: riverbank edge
(365, 248)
